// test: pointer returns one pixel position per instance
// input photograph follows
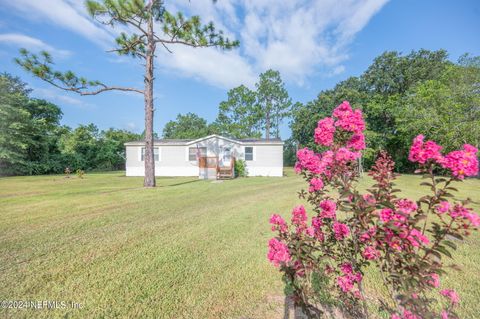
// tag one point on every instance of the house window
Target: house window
(249, 153)
(193, 152)
(156, 154)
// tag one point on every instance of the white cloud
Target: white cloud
(69, 14)
(299, 38)
(25, 41)
(222, 69)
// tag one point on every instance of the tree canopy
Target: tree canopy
(402, 96)
(189, 125)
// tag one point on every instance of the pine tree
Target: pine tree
(140, 16)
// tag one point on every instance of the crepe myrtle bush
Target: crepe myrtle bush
(407, 240)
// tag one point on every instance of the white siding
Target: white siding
(267, 160)
(172, 162)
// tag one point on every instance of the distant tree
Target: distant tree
(238, 116)
(14, 125)
(111, 149)
(80, 147)
(149, 24)
(189, 125)
(29, 130)
(446, 109)
(290, 152)
(273, 102)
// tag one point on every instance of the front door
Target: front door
(226, 156)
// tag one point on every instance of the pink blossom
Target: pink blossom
(278, 253)
(410, 315)
(395, 316)
(299, 216)
(346, 268)
(317, 225)
(328, 209)
(444, 314)
(357, 142)
(434, 281)
(416, 238)
(369, 198)
(463, 162)
(344, 155)
(450, 294)
(310, 231)
(316, 184)
(370, 253)
(406, 206)
(278, 223)
(422, 152)
(368, 234)
(443, 207)
(473, 218)
(345, 283)
(325, 131)
(386, 215)
(342, 110)
(308, 160)
(340, 230)
(348, 119)
(464, 212)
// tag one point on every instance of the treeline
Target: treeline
(403, 96)
(32, 141)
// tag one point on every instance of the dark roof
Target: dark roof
(182, 141)
(248, 140)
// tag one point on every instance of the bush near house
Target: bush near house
(240, 168)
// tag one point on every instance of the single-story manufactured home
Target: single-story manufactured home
(212, 156)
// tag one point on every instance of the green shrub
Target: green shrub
(240, 168)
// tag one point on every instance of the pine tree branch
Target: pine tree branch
(66, 81)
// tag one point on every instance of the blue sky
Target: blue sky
(314, 44)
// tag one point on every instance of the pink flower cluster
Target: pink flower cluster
(316, 184)
(299, 216)
(404, 236)
(278, 252)
(341, 230)
(325, 131)
(434, 281)
(458, 211)
(348, 279)
(344, 155)
(348, 119)
(307, 159)
(461, 163)
(370, 253)
(422, 152)
(278, 223)
(329, 209)
(357, 142)
(451, 295)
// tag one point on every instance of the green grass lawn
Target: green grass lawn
(186, 249)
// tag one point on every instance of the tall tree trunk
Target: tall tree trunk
(267, 121)
(149, 180)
